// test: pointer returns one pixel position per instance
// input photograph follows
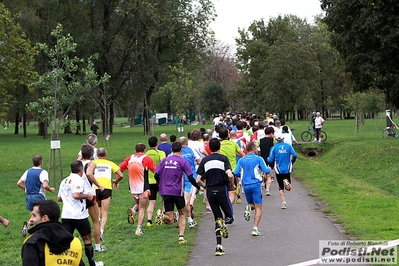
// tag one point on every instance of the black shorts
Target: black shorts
(83, 226)
(154, 188)
(171, 201)
(102, 195)
(271, 165)
(91, 203)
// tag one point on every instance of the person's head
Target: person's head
(195, 134)
(87, 151)
(269, 130)
(37, 160)
(277, 123)
(255, 128)
(94, 122)
(318, 114)
(140, 147)
(206, 137)
(233, 134)
(91, 139)
(279, 137)
(102, 153)
(163, 137)
(172, 138)
(251, 147)
(240, 125)
(77, 167)
(209, 131)
(224, 133)
(183, 141)
(261, 125)
(44, 211)
(285, 129)
(202, 131)
(176, 147)
(153, 142)
(214, 145)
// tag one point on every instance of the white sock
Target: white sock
(189, 219)
(98, 246)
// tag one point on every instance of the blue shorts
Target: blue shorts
(253, 193)
(30, 199)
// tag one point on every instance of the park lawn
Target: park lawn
(354, 178)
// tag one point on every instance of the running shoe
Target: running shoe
(158, 219)
(224, 231)
(208, 210)
(284, 205)
(238, 189)
(130, 216)
(255, 232)
(192, 224)
(176, 218)
(238, 200)
(139, 232)
(192, 211)
(268, 193)
(102, 248)
(247, 212)
(149, 224)
(287, 185)
(25, 229)
(99, 263)
(229, 220)
(182, 240)
(219, 250)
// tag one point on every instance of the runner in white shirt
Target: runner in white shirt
(74, 194)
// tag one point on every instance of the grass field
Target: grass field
(354, 177)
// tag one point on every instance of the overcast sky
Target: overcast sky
(234, 14)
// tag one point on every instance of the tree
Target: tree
(214, 98)
(289, 78)
(366, 33)
(276, 57)
(16, 64)
(66, 80)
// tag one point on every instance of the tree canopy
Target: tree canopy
(366, 33)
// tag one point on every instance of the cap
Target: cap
(278, 136)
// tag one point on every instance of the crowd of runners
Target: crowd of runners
(242, 154)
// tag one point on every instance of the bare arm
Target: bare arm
(90, 175)
(21, 184)
(78, 195)
(47, 187)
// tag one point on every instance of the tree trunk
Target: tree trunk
(78, 121)
(24, 123)
(111, 118)
(16, 128)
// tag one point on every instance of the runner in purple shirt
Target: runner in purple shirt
(169, 175)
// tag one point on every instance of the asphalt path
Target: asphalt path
(289, 236)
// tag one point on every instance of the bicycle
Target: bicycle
(390, 131)
(307, 135)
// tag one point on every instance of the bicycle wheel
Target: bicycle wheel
(306, 136)
(388, 133)
(323, 136)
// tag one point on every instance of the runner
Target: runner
(249, 168)
(213, 169)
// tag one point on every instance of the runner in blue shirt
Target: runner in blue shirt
(284, 156)
(250, 168)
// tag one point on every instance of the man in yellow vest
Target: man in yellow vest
(49, 242)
